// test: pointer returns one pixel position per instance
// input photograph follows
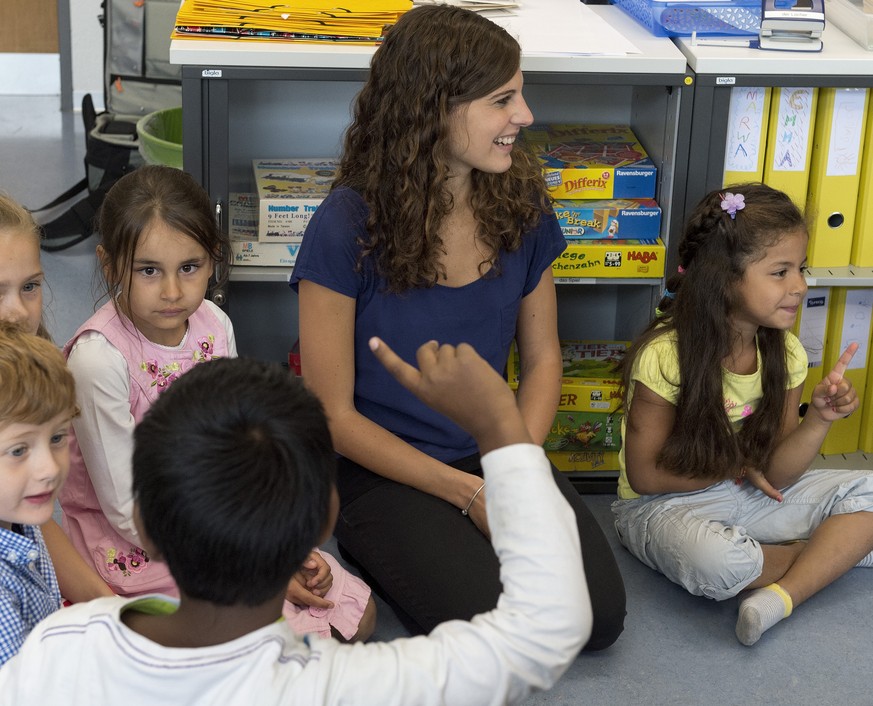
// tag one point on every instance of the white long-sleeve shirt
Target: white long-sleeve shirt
(86, 655)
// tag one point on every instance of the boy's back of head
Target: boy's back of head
(35, 384)
(233, 472)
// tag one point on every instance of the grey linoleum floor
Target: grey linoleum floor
(676, 648)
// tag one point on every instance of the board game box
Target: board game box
(609, 219)
(584, 431)
(589, 381)
(289, 192)
(592, 161)
(256, 253)
(611, 258)
(588, 460)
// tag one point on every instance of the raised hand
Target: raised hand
(835, 397)
(459, 383)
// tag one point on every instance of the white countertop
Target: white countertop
(658, 54)
(840, 56)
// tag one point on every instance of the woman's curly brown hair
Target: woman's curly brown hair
(435, 59)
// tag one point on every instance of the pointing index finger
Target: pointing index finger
(404, 373)
(846, 358)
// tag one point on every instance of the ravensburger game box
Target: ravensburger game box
(609, 219)
(289, 192)
(592, 161)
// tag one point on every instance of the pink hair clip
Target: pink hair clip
(733, 203)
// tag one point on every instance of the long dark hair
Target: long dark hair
(433, 60)
(713, 255)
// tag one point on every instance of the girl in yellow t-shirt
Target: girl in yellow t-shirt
(715, 490)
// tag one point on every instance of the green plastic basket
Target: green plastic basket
(160, 137)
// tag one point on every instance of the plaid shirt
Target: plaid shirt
(28, 587)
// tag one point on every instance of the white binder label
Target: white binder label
(793, 130)
(744, 140)
(847, 126)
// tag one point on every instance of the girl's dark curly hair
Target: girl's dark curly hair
(435, 59)
(713, 255)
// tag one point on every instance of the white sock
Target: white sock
(867, 561)
(760, 611)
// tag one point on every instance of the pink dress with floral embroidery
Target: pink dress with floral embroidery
(122, 358)
(125, 566)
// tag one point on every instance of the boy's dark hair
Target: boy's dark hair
(233, 470)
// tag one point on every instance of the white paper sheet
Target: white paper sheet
(856, 325)
(793, 133)
(564, 27)
(847, 127)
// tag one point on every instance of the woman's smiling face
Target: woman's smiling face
(483, 131)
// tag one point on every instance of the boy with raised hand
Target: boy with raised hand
(238, 452)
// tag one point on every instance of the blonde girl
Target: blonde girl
(21, 302)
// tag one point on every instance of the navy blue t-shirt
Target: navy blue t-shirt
(482, 313)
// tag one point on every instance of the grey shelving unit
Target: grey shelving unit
(252, 100)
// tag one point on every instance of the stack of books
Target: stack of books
(604, 185)
(586, 432)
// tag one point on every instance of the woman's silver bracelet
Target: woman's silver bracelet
(466, 510)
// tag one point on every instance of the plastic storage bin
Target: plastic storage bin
(160, 137)
(854, 17)
(680, 18)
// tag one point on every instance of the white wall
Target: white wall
(87, 60)
(40, 74)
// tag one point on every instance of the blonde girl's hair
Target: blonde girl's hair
(35, 383)
(16, 218)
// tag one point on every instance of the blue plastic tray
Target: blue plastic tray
(678, 18)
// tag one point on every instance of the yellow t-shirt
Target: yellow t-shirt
(657, 367)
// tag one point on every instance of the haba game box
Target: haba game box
(592, 161)
(587, 259)
(289, 192)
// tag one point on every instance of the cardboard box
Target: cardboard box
(610, 219)
(611, 258)
(584, 431)
(289, 192)
(596, 460)
(242, 214)
(589, 382)
(255, 253)
(592, 161)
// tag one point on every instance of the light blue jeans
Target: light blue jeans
(709, 541)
